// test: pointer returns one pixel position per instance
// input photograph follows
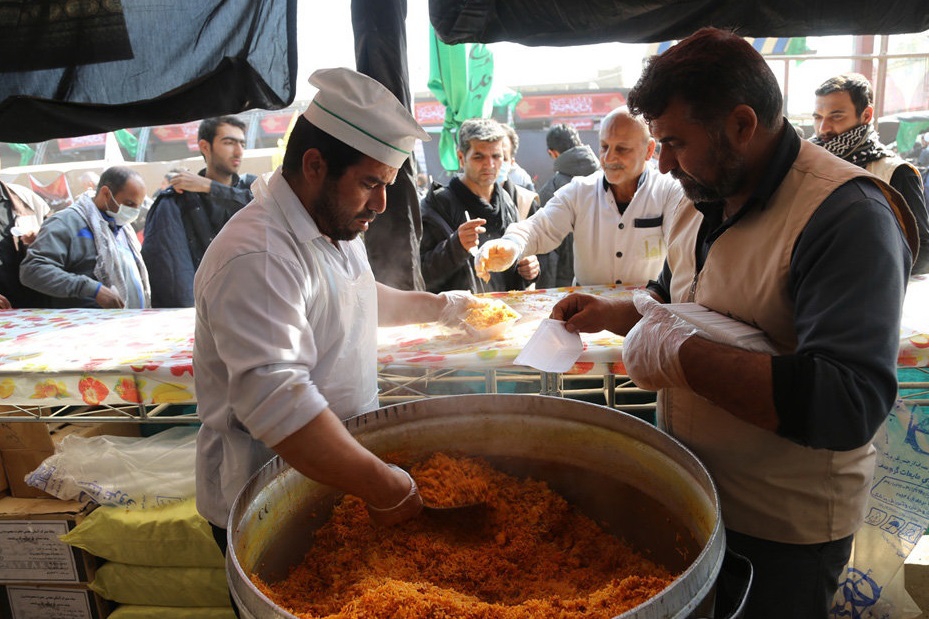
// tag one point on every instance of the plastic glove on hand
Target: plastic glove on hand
(457, 303)
(497, 255)
(407, 508)
(650, 350)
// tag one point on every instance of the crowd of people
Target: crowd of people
(703, 195)
(599, 219)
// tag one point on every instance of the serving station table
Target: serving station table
(117, 365)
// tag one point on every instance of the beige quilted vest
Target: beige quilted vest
(770, 487)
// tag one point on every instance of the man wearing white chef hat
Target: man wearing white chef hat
(287, 308)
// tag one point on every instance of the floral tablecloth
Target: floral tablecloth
(115, 357)
(434, 346)
(86, 356)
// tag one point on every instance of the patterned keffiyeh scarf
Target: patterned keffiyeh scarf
(859, 145)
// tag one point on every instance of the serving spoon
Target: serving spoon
(461, 521)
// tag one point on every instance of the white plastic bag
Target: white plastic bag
(898, 513)
(121, 471)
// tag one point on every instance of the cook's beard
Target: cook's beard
(328, 217)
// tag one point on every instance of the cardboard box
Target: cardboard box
(4, 486)
(30, 550)
(24, 445)
(25, 435)
(916, 575)
(29, 601)
(17, 463)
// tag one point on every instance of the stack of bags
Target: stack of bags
(160, 562)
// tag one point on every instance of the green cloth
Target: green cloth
(127, 141)
(26, 153)
(907, 133)
(460, 77)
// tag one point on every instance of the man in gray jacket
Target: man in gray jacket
(88, 255)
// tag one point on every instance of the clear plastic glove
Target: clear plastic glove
(457, 303)
(497, 255)
(408, 508)
(650, 350)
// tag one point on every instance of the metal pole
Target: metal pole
(880, 84)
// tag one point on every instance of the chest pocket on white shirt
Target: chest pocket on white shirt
(648, 222)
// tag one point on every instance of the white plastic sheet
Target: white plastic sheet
(129, 472)
(897, 515)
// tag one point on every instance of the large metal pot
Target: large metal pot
(614, 467)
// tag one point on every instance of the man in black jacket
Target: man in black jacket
(571, 158)
(191, 211)
(473, 204)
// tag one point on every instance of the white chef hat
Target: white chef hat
(361, 112)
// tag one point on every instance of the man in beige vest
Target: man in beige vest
(842, 120)
(781, 235)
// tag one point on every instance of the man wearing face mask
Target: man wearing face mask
(514, 179)
(88, 255)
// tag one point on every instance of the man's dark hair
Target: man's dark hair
(116, 178)
(711, 72)
(855, 84)
(562, 137)
(514, 138)
(304, 136)
(209, 127)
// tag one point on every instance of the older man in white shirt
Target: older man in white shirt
(619, 214)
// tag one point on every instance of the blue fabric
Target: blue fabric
(189, 60)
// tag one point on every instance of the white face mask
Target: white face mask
(504, 172)
(125, 214)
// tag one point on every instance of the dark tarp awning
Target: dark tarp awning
(77, 68)
(392, 241)
(70, 69)
(581, 22)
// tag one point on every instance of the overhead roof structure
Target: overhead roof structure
(78, 68)
(569, 22)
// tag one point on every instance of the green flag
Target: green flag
(460, 77)
(506, 98)
(796, 46)
(25, 153)
(907, 133)
(127, 141)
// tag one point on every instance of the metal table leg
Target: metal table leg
(552, 384)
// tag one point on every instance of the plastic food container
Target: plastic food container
(497, 330)
(493, 332)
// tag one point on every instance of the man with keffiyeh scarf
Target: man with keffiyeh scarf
(842, 122)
